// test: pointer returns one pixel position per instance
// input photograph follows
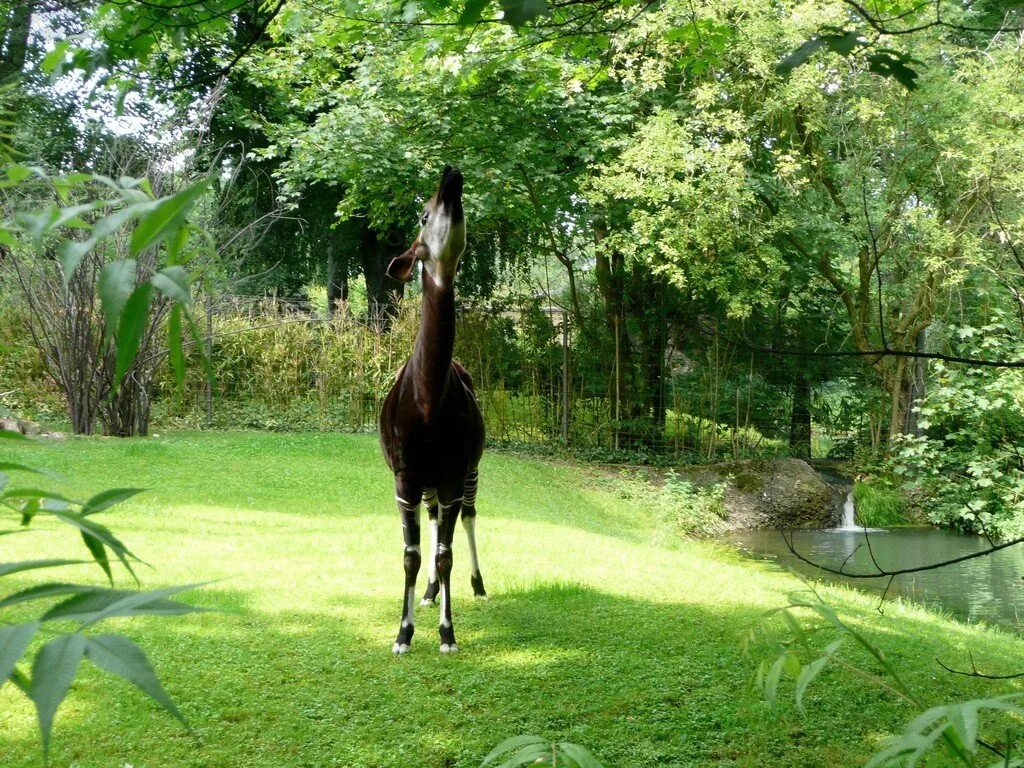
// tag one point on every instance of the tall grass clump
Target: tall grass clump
(879, 504)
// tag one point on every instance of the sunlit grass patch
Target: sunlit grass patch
(598, 631)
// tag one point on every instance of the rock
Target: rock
(776, 493)
(29, 428)
(10, 425)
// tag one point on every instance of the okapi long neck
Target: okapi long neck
(435, 342)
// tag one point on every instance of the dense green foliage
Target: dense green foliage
(601, 630)
(651, 170)
(967, 461)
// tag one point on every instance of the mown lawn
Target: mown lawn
(601, 629)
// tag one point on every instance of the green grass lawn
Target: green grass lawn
(601, 629)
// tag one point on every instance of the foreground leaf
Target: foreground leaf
(106, 499)
(120, 656)
(103, 604)
(43, 591)
(130, 328)
(31, 565)
(13, 642)
(54, 669)
(166, 217)
(516, 742)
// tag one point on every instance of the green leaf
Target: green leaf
(771, 681)
(99, 554)
(894, 64)
(14, 639)
(107, 499)
(578, 755)
(13, 466)
(71, 253)
(44, 591)
(120, 656)
(130, 328)
(843, 44)
(176, 244)
(21, 680)
(108, 225)
(165, 217)
(32, 565)
(519, 12)
(17, 173)
(52, 63)
(172, 282)
(528, 755)
(116, 283)
(54, 670)
(472, 12)
(99, 533)
(104, 604)
(512, 743)
(809, 672)
(34, 493)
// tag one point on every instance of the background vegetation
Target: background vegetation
(680, 214)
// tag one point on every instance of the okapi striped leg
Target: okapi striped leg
(446, 517)
(408, 499)
(476, 579)
(430, 499)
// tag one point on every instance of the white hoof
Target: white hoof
(425, 601)
(453, 648)
(400, 648)
(481, 597)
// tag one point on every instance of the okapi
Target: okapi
(431, 428)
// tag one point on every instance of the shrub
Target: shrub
(678, 505)
(968, 463)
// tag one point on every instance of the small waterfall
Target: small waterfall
(848, 521)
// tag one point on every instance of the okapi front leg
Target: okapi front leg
(447, 515)
(408, 499)
(430, 499)
(476, 578)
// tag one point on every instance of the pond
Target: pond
(983, 589)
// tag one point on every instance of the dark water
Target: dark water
(987, 588)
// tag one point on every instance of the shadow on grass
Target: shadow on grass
(639, 683)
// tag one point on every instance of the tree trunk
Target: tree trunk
(608, 271)
(800, 420)
(898, 398)
(382, 293)
(916, 393)
(15, 40)
(337, 273)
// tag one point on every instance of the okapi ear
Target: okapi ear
(401, 267)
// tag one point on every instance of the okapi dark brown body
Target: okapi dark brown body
(431, 428)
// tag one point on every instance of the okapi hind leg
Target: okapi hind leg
(430, 499)
(476, 578)
(408, 498)
(447, 515)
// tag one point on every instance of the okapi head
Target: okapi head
(442, 237)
